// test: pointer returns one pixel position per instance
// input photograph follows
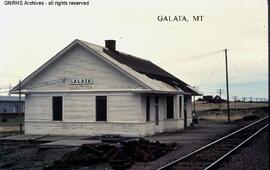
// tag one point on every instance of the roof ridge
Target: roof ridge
(85, 42)
(121, 52)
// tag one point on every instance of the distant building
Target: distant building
(208, 98)
(218, 99)
(205, 99)
(211, 99)
(10, 104)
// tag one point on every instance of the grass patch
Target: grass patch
(213, 121)
(13, 121)
(4, 124)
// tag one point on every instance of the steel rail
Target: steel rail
(210, 144)
(234, 149)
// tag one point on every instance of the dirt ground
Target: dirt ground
(222, 117)
(237, 105)
(29, 155)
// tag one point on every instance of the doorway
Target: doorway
(156, 111)
(185, 111)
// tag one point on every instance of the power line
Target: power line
(4, 91)
(191, 58)
(10, 76)
(246, 49)
(213, 72)
(48, 83)
(234, 66)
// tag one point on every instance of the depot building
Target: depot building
(87, 89)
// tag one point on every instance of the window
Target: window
(180, 106)
(57, 108)
(101, 108)
(156, 110)
(170, 106)
(147, 108)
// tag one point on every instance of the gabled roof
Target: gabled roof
(149, 69)
(142, 71)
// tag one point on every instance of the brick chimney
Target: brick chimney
(110, 44)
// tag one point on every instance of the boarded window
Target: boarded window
(147, 108)
(170, 107)
(101, 108)
(57, 108)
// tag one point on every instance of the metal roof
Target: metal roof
(150, 69)
(145, 67)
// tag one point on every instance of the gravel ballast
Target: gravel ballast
(254, 156)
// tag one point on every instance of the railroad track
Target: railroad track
(211, 155)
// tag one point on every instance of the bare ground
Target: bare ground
(31, 156)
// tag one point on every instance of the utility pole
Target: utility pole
(227, 86)
(20, 107)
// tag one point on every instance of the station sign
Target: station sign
(81, 81)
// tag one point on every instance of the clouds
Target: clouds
(32, 35)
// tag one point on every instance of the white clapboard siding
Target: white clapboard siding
(84, 128)
(80, 63)
(79, 108)
(162, 108)
(172, 125)
(38, 107)
(124, 108)
(99, 128)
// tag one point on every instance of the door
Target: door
(185, 111)
(157, 128)
(156, 111)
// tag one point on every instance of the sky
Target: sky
(192, 51)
